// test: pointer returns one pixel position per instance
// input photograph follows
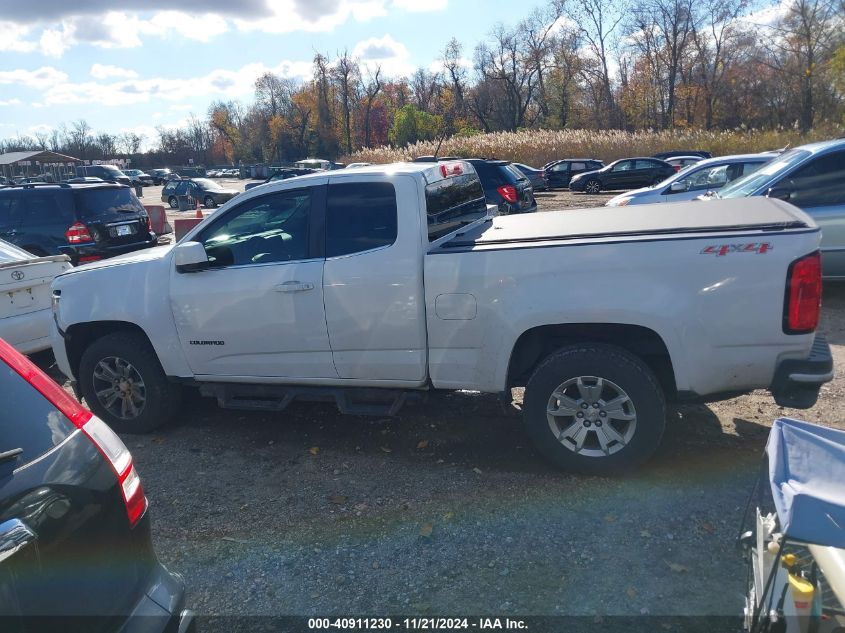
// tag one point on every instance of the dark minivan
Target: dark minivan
(86, 222)
(504, 185)
(75, 547)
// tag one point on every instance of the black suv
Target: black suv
(628, 173)
(86, 222)
(504, 185)
(560, 172)
(75, 547)
(105, 172)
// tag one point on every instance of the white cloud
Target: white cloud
(288, 16)
(12, 38)
(419, 6)
(105, 71)
(10, 102)
(231, 83)
(392, 56)
(40, 78)
(41, 127)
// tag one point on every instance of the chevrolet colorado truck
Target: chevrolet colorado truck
(386, 282)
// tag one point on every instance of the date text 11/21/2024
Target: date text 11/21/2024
(417, 624)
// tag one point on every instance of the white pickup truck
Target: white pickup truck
(371, 285)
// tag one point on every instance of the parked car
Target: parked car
(282, 174)
(560, 172)
(679, 162)
(504, 186)
(682, 152)
(396, 279)
(137, 176)
(627, 173)
(709, 174)
(86, 222)
(162, 175)
(810, 177)
(25, 280)
(75, 547)
(208, 192)
(105, 172)
(537, 177)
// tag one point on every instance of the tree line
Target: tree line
(586, 64)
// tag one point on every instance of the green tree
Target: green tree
(411, 125)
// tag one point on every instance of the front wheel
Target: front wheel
(592, 187)
(595, 409)
(124, 385)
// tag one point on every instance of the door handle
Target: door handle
(14, 536)
(294, 286)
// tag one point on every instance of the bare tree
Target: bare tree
(371, 92)
(346, 75)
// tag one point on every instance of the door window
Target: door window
(818, 183)
(645, 164)
(578, 166)
(560, 167)
(272, 228)
(360, 217)
(625, 165)
(710, 178)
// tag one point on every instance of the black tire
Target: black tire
(162, 397)
(209, 202)
(617, 367)
(656, 182)
(593, 184)
(173, 202)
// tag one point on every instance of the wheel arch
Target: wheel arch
(80, 336)
(537, 343)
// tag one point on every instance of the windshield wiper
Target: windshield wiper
(11, 455)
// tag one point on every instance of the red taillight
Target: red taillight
(543, 174)
(78, 234)
(677, 167)
(87, 259)
(508, 192)
(451, 169)
(106, 441)
(803, 302)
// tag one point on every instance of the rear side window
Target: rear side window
(46, 210)
(360, 216)
(93, 203)
(646, 164)
(453, 202)
(30, 423)
(578, 166)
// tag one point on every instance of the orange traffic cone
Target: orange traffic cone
(199, 211)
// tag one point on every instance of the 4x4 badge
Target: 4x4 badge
(17, 275)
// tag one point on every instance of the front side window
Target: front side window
(360, 216)
(563, 167)
(624, 165)
(817, 184)
(578, 166)
(709, 178)
(269, 229)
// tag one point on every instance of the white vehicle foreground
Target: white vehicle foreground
(25, 317)
(380, 284)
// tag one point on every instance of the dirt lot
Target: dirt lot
(447, 509)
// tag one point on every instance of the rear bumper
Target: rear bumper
(797, 381)
(162, 607)
(104, 252)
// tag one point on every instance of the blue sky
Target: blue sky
(133, 65)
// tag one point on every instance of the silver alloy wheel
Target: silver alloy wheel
(119, 387)
(593, 186)
(591, 416)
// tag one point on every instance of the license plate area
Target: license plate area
(122, 230)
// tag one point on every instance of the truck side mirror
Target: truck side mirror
(781, 193)
(190, 257)
(678, 187)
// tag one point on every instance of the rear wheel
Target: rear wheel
(209, 203)
(595, 409)
(173, 202)
(592, 186)
(124, 384)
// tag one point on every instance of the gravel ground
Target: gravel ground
(447, 509)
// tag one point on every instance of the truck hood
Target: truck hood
(740, 214)
(129, 259)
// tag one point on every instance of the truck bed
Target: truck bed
(729, 216)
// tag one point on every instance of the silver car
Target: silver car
(694, 180)
(812, 177)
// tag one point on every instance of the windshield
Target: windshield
(205, 183)
(747, 185)
(94, 203)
